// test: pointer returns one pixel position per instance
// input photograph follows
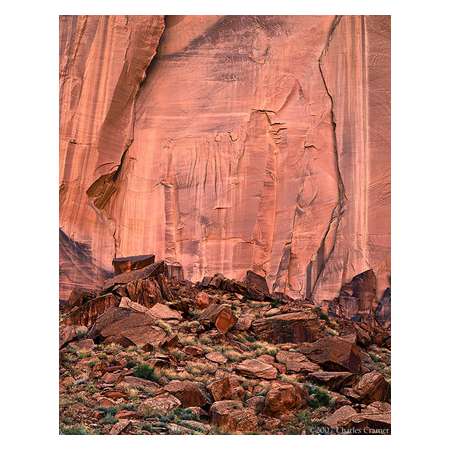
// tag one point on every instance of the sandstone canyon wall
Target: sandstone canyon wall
(227, 144)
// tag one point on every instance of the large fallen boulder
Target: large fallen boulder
(147, 291)
(80, 296)
(383, 309)
(334, 354)
(227, 388)
(231, 416)
(372, 387)
(126, 303)
(128, 263)
(246, 289)
(283, 397)
(126, 277)
(296, 327)
(296, 362)
(256, 368)
(163, 312)
(342, 417)
(69, 333)
(348, 419)
(188, 392)
(127, 327)
(332, 380)
(158, 406)
(255, 281)
(220, 315)
(357, 298)
(87, 313)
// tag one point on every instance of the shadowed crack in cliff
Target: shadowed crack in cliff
(338, 210)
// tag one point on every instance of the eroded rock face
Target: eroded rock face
(270, 152)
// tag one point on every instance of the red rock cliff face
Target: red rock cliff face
(229, 143)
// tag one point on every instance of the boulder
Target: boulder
(216, 281)
(194, 350)
(334, 354)
(173, 270)
(216, 357)
(148, 385)
(79, 296)
(347, 417)
(70, 333)
(163, 312)
(282, 398)
(146, 292)
(342, 417)
(383, 309)
(221, 315)
(372, 387)
(381, 422)
(188, 392)
(244, 323)
(205, 282)
(256, 403)
(158, 406)
(87, 313)
(126, 327)
(255, 281)
(139, 274)
(128, 263)
(294, 327)
(203, 300)
(332, 380)
(83, 345)
(296, 362)
(126, 303)
(227, 388)
(120, 426)
(231, 416)
(257, 369)
(357, 298)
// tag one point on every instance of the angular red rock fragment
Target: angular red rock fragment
(128, 263)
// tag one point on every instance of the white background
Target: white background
(29, 222)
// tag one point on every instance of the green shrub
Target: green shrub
(319, 397)
(275, 303)
(305, 418)
(109, 419)
(186, 414)
(108, 411)
(73, 430)
(146, 372)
